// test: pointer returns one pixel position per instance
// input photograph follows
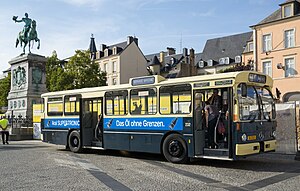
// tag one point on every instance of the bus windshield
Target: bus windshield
(258, 104)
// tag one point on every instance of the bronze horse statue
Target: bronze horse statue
(31, 36)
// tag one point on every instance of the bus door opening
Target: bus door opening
(92, 122)
(216, 118)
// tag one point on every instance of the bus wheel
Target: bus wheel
(74, 142)
(175, 149)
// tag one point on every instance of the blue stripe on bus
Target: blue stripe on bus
(162, 123)
(65, 123)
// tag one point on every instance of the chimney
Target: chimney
(193, 67)
(162, 57)
(129, 40)
(136, 40)
(184, 52)
(102, 47)
(171, 51)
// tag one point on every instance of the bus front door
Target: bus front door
(199, 130)
(91, 113)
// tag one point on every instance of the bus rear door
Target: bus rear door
(199, 131)
(90, 111)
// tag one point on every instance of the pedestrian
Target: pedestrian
(4, 130)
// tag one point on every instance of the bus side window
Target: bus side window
(55, 106)
(143, 101)
(175, 99)
(116, 103)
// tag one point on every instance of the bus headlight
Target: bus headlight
(244, 137)
(274, 134)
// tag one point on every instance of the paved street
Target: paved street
(33, 165)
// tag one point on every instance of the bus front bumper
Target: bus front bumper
(269, 145)
(254, 148)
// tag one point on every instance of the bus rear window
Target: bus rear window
(55, 106)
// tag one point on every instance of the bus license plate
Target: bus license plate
(252, 137)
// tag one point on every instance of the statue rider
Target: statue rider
(27, 25)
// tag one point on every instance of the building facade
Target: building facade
(120, 61)
(169, 64)
(277, 49)
(222, 53)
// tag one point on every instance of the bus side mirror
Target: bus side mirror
(244, 90)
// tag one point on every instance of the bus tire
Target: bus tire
(175, 149)
(74, 142)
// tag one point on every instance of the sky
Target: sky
(67, 25)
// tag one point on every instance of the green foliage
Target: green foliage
(5, 88)
(79, 72)
(235, 68)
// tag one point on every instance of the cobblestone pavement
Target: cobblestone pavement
(33, 165)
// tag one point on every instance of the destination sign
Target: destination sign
(200, 85)
(143, 81)
(257, 78)
(223, 82)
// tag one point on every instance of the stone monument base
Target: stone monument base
(18, 134)
(28, 82)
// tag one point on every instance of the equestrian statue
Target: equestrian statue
(28, 33)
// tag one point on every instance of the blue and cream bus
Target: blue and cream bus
(157, 115)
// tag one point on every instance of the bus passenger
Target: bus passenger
(137, 109)
(211, 116)
(215, 99)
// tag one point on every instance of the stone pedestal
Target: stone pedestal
(28, 82)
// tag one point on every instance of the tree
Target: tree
(84, 71)
(5, 88)
(79, 72)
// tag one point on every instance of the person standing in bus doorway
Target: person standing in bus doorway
(99, 128)
(215, 99)
(4, 130)
(211, 117)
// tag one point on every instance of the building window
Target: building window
(106, 67)
(250, 46)
(267, 42)
(289, 67)
(115, 50)
(289, 38)
(114, 82)
(287, 11)
(106, 51)
(114, 67)
(267, 68)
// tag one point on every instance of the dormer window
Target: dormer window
(106, 52)
(115, 50)
(287, 10)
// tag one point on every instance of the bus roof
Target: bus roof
(159, 80)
